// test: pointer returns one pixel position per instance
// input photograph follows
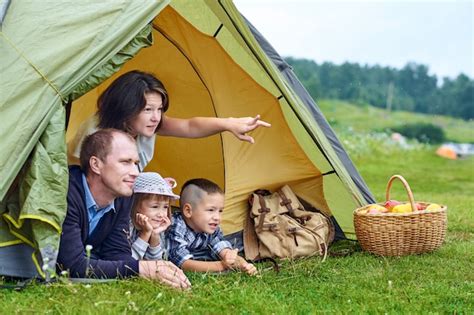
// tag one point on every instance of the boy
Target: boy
(195, 239)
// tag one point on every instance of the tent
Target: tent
(57, 57)
(454, 151)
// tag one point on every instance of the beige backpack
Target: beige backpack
(278, 226)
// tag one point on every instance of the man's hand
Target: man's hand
(165, 272)
(240, 126)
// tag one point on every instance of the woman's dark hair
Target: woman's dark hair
(124, 99)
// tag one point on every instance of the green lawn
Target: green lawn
(343, 116)
(439, 282)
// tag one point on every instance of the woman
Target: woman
(136, 102)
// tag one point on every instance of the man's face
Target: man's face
(119, 170)
(206, 215)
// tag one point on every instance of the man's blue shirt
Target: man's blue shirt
(95, 214)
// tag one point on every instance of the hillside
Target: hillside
(411, 88)
(346, 117)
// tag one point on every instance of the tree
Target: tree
(414, 89)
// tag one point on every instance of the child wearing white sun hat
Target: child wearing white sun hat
(151, 215)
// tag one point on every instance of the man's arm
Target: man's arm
(72, 255)
(117, 244)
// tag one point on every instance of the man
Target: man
(94, 241)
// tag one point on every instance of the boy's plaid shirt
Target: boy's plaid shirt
(182, 241)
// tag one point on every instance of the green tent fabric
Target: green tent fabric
(53, 52)
(57, 55)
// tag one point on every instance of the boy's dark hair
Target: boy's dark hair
(98, 144)
(124, 99)
(205, 184)
(191, 195)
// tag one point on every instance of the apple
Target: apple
(402, 208)
(433, 206)
(375, 209)
(420, 206)
(389, 204)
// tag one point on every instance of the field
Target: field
(439, 282)
(345, 117)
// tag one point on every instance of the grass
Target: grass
(438, 282)
(343, 115)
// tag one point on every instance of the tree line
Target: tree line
(410, 88)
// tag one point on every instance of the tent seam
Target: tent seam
(278, 87)
(158, 29)
(21, 237)
(10, 243)
(35, 68)
(348, 182)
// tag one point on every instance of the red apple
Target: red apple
(375, 209)
(420, 206)
(389, 204)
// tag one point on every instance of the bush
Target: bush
(423, 132)
(377, 144)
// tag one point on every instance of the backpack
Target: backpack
(278, 226)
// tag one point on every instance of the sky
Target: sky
(438, 34)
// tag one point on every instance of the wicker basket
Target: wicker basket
(399, 234)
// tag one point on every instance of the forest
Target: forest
(411, 88)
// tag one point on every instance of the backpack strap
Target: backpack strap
(250, 235)
(263, 210)
(286, 202)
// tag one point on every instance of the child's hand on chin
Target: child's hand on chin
(143, 223)
(164, 224)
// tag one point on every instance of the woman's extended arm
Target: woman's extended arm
(199, 127)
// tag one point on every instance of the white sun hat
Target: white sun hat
(153, 183)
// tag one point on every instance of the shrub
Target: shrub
(376, 143)
(423, 132)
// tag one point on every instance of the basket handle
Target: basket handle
(407, 188)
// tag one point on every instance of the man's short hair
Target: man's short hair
(98, 144)
(194, 189)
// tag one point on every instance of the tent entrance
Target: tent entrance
(203, 80)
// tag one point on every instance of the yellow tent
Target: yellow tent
(212, 62)
(212, 66)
